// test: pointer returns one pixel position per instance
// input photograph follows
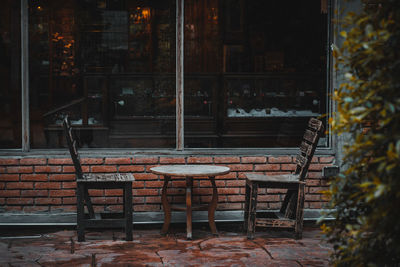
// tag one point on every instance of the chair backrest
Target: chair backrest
(311, 136)
(73, 147)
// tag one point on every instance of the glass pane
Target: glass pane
(268, 60)
(109, 65)
(10, 75)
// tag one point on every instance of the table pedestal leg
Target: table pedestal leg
(189, 185)
(166, 206)
(212, 207)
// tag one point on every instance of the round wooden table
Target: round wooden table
(189, 171)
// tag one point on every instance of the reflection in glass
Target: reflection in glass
(10, 78)
(262, 65)
(109, 65)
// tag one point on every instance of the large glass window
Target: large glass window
(255, 71)
(10, 78)
(109, 65)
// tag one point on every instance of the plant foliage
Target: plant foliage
(366, 195)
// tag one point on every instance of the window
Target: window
(10, 88)
(254, 72)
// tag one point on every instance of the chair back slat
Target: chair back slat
(307, 147)
(73, 147)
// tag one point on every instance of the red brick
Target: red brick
(9, 162)
(145, 160)
(19, 201)
(13, 208)
(314, 159)
(69, 200)
(118, 161)
(203, 160)
(276, 191)
(2, 185)
(241, 167)
(316, 167)
(33, 161)
(131, 168)
(62, 177)
(20, 169)
(62, 193)
(138, 200)
(179, 183)
(200, 191)
(68, 185)
(315, 175)
(63, 208)
(326, 159)
(231, 175)
(48, 185)
(153, 199)
(36, 208)
(34, 193)
(235, 183)
(283, 159)
(145, 176)
(237, 198)
(325, 197)
(145, 192)
(312, 182)
(137, 184)
(228, 191)
(9, 193)
(226, 159)
(34, 177)
(207, 183)
(60, 161)
(288, 167)
(113, 192)
(254, 159)
(269, 198)
(92, 161)
(274, 205)
(174, 160)
(147, 208)
(9, 177)
(20, 185)
(47, 169)
(267, 167)
(104, 169)
(157, 184)
(48, 201)
(310, 197)
(2, 170)
(96, 192)
(71, 169)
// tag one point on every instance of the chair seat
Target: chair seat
(106, 177)
(281, 178)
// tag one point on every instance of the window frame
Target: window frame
(330, 80)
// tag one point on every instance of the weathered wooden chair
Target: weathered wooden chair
(85, 181)
(291, 211)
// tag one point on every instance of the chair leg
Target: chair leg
(251, 227)
(80, 222)
(128, 210)
(246, 207)
(299, 212)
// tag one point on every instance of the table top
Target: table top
(190, 170)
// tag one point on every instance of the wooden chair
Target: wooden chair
(291, 211)
(84, 182)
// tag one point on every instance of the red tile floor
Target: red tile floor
(57, 247)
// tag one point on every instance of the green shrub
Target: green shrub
(366, 195)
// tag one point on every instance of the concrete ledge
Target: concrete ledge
(58, 219)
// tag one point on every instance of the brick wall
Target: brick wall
(47, 184)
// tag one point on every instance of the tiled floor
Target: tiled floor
(107, 248)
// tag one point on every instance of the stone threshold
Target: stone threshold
(62, 218)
